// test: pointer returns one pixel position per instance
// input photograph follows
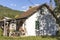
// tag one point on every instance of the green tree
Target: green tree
(57, 3)
(57, 13)
(57, 10)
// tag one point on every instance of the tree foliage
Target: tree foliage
(57, 10)
(57, 3)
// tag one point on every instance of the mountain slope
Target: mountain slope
(7, 12)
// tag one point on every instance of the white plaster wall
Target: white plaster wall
(30, 25)
(12, 26)
(45, 21)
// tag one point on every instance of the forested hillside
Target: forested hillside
(7, 12)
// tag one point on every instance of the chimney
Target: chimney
(30, 7)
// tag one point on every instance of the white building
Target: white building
(36, 21)
(40, 21)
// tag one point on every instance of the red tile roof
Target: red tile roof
(33, 10)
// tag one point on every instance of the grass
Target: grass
(30, 38)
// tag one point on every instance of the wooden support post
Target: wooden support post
(5, 28)
(4, 33)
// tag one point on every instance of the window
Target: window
(42, 11)
(37, 25)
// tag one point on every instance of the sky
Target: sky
(23, 4)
